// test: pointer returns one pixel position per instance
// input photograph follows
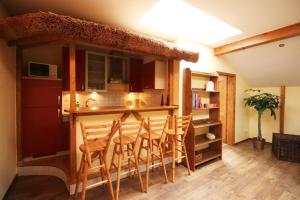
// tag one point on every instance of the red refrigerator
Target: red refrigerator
(41, 116)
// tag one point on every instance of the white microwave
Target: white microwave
(42, 70)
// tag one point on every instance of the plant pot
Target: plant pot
(258, 144)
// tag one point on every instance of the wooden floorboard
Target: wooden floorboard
(244, 173)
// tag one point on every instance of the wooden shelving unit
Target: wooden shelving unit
(200, 149)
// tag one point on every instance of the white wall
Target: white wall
(291, 116)
(268, 124)
(8, 156)
(292, 110)
(210, 63)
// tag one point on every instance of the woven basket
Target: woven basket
(286, 147)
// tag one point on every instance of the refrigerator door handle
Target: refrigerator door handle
(58, 100)
(58, 112)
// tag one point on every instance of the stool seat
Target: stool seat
(93, 145)
(172, 132)
(155, 136)
(126, 139)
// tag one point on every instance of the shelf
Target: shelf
(200, 90)
(204, 141)
(207, 155)
(195, 73)
(206, 108)
(204, 123)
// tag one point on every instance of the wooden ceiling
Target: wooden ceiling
(40, 28)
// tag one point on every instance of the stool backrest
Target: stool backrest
(102, 133)
(130, 129)
(158, 126)
(182, 123)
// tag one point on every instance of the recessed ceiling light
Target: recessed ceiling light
(184, 21)
(281, 45)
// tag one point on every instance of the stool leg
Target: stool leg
(109, 183)
(128, 160)
(173, 158)
(120, 158)
(79, 174)
(140, 149)
(84, 181)
(136, 161)
(152, 156)
(113, 158)
(163, 163)
(186, 157)
(149, 152)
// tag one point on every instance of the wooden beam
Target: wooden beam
(170, 82)
(282, 108)
(18, 29)
(33, 41)
(19, 63)
(278, 34)
(73, 150)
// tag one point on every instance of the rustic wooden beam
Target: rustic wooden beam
(170, 81)
(23, 29)
(19, 63)
(282, 108)
(73, 150)
(278, 34)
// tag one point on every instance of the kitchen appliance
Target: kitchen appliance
(41, 116)
(42, 70)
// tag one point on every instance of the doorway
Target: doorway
(227, 88)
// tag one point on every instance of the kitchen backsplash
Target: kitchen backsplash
(115, 98)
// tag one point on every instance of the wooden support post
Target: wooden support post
(282, 108)
(19, 63)
(170, 81)
(73, 150)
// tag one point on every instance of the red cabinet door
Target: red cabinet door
(41, 116)
(149, 75)
(80, 69)
(135, 76)
(40, 131)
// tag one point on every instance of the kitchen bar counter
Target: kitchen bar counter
(118, 109)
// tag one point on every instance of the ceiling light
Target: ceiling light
(281, 45)
(184, 21)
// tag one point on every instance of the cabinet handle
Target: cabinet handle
(58, 113)
(58, 100)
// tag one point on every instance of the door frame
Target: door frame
(231, 135)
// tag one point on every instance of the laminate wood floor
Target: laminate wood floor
(244, 173)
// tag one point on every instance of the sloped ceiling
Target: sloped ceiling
(265, 65)
(269, 64)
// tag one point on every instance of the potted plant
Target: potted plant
(261, 102)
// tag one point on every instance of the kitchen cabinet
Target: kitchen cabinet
(80, 69)
(135, 75)
(41, 116)
(154, 75)
(96, 72)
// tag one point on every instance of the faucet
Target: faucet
(87, 101)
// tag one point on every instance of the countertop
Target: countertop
(118, 109)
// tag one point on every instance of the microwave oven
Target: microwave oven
(42, 70)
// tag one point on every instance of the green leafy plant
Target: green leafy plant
(261, 102)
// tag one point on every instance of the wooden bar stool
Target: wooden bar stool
(96, 141)
(155, 137)
(125, 150)
(177, 137)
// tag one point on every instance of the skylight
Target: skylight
(184, 21)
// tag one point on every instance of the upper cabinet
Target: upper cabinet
(96, 72)
(80, 69)
(154, 75)
(135, 75)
